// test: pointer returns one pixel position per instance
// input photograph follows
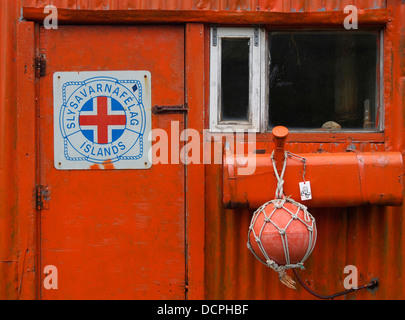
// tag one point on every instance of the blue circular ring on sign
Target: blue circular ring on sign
(104, 121)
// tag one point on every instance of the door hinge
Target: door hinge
(42, 197)
(170, 109)
(256, 37)
(40, 66)
(214, 37)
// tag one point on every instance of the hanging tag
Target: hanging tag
(305, 190)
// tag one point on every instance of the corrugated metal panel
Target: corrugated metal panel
(372, 238)
(369, 237)
(273, 5)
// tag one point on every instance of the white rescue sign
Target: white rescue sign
(102, 120)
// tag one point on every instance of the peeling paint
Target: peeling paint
(95, 167)
(371, 237)
(108, 164)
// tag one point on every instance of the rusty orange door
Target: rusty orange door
(113, 234)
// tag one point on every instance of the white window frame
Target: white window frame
(258, 82)
(255, 111)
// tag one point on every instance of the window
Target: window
(235, 79)
(304, 80)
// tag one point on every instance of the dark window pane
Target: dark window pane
(235, 80)
(323, 79)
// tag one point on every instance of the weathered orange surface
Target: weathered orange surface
(223, 5)
(338, 179)
(280, 19)
(122, 231)
(159, 233)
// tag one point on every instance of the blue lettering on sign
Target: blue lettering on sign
(103, 120)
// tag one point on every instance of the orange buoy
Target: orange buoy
(282, 232)
(282, 235)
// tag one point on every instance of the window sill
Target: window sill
(308, 137)
(331, 137)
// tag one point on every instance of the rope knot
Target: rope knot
(280, 178)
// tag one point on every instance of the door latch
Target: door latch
(170, 109)
(40, 66)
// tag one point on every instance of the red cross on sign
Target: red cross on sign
(103, 118)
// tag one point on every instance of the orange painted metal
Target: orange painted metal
(372, 237)
(195, 183)
(369, 237)
(8, 167)
(279, 136)
(220, 5)
(27, 163)
(337, 179)
(115, 234)
(331, 18)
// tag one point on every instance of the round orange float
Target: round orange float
(282, 233)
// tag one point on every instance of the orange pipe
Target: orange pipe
(279, 137)
(337, 179)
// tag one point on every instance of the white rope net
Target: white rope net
(296, 213)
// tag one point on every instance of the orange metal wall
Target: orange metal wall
(273, 5)
(370, 237)
(8, 187)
